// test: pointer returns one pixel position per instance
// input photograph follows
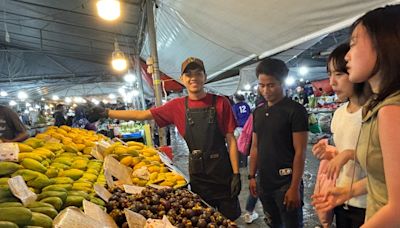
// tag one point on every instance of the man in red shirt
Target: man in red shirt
(206, 122)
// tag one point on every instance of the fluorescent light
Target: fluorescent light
(12, 103)
(95, 101)
(129, 77)
(105, 101)
(22, 95)
(247, 87)
(111, 96)
(55, 97)
(42, 99)
(290, 81)
(109, 9)
(121, 90)
(3, 93)
(28, 104)
(302, 79)
(68, 100)
(303, 70)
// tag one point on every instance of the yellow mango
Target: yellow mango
(126, 160)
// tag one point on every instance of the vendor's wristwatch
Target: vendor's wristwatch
(251, 177)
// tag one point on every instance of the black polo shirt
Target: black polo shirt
(274, 127)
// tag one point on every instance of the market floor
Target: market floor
(310, 219)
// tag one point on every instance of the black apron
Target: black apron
(210, 168)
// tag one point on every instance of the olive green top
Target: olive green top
(369, 155)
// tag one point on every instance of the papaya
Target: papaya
(89, 176)
(74, 174)
(57, 187)
(126, 160)
(60, 194)
(49, 211)
(59, 165)
(52, 172)
(53, 200)
(42, 220)
(39, 182)
(31, 164)
(80, 164)
(11, 204)
(34, 142)
(8, 224)
(74, 201)
(36, 157)
(61, 180)
(18, 215)
(24, 148)
(70, 148)
(97, 201)
(53, 146)
(5, 192)
(7, 168)
(78, 193)
(39, 204)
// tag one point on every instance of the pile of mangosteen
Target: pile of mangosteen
(183, 208)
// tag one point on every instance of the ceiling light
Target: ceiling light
(42, 99)
(68, 100)
(255, 87)
(28, 104)
(105, 101)
(121, 90)
(302, 79)
(22, 95)
(129, 77)
(95, 101)
(289, 81)
(111, 96)
(303, 70)
(3, 93)
(135, 93)
(118, 62)
(247, 87)
(108, 9)
(12, 103)
(55, 97)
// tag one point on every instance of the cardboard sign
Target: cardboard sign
(96, 153)
(95, 212)
(116, 169)
(102, 192)
(133, 189)
(9, 151)
(134, 220)
(20, 190)
(72, 217)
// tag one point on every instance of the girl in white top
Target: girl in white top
(345, 126)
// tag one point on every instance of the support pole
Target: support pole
(154, 55)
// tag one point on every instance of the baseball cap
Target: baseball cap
(190, 61)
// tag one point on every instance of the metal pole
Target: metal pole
(154, 55)
(138, 70)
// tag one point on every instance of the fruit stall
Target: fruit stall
(53, 178)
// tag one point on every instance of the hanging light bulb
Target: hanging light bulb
(118, 62)
(108, 9)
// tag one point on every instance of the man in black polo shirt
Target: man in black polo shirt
(278, 148)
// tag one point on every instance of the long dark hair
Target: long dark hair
(361, 90)
(383, 27)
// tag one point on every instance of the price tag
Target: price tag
(158, 186)
(95, 212)
(97, 154)
(9, 151)
(134, 220)
(102, 192)
(116, 169)
(133, 189)
(20, 190)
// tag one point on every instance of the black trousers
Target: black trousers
(353, 217)
(230, 207)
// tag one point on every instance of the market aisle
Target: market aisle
(310, 220)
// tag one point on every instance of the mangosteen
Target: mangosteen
(194, 220)
(201, 223)
(211, 225)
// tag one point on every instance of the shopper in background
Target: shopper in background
(278, 148)
(374, 57)
(58, 115)
(345, 126)
(11, 127)
(207, 123)
(241, 111)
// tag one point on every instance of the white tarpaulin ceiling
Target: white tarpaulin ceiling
(58, 45)
(226, 33)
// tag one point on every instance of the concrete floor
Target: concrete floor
(310, 219)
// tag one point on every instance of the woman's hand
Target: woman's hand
(336, 163)
(333, 197)
(322, 150)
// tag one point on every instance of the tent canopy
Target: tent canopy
(63, 47)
